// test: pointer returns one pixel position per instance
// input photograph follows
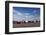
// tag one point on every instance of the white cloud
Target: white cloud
(26, 13)
(20, 17)
(17, 12)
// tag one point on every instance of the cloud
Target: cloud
(17, 16)
(26, 14)
(16, 12)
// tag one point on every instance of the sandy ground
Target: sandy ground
(15, 25)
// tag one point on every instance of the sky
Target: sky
(26, 13)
